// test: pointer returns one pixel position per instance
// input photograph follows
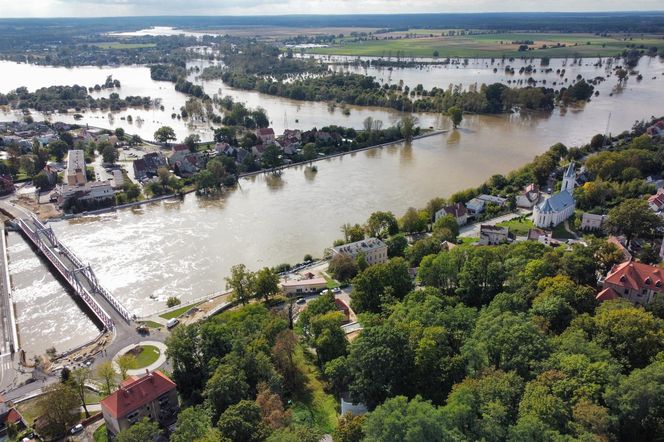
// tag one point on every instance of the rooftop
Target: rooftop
(557, 202)
(365, 245)
(636, 276)
(75, 161)
(312, 281)
(135, 393)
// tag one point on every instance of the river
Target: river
(186, 248)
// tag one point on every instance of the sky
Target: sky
(107, 8)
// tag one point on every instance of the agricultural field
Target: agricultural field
(120, 45)
(420, 43)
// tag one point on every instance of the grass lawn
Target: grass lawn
(92, 397)
(314, 408)
(467, 240)
(559, 232)
(518, 226)
(28, 410)
(100, 434)
(148, 356)
(331, 283)
(178, 311)
(490, 45)
(152, 324)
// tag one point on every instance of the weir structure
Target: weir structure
(81, 278)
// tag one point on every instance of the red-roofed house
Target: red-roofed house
(266, 135)
(9, 415)
(656, 201)
(634, 281)
(153, 396)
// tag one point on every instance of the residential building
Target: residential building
(590, 221)
(620, 243)
(303, 286)
(560, 206)
(148, 166)
(373, 249)
(493, 235)
(9, 415)
(656, 201)
(75, 172)
(458, 211)
(153, 396)
(528, 197)
(634, 281)
(542, 237)
(265, 135)
(656, 130)
(478, 204)
(96, 191)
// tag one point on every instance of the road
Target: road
(473, 230)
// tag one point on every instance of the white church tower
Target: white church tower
(569, 179)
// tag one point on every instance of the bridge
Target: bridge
(81, 278)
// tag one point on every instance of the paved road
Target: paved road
(7, 332)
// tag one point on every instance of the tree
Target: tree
(191, 141)
(283, 352)
(632, 335)
(272, 408)
(78, 378)
(400, 420)
(447, 222)
(164, 134)
(107, 374)
(41, 181)
(27, 164)
(193, 423)
(633, 218)
(188, 361)
(381, 225)
(108, 152)
(342, 267)
(266, 283)
(349, 428)
(59, 409)
(126, 362)
(378, 283)
(227, 386)
(413, 221)
(142, 431)
(407, 127)
(352, 233)
(120, 133)
(396, 245)
(456, 115)
(172, 301)
(329, 339)
(309, 152)
(482, 408)
(639, 402)
(381, 364)
(243, 422)
(58, 149)
(271, 158)
(241, 282)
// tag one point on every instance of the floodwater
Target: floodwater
(46, 313)
(186, 248)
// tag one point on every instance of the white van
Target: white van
(172, 323)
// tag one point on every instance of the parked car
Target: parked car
(301, 301)
(172, 323)
(77, 429)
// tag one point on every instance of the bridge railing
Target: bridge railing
(68, 274)
(87, 271)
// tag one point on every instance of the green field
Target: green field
(148, 356)
(177, 312)
(490, 45)
(518, 226)
(116, 45)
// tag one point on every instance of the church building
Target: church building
(560, 206)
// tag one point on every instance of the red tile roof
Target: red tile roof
(607, 295)
(636, 276)
(135, 393)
